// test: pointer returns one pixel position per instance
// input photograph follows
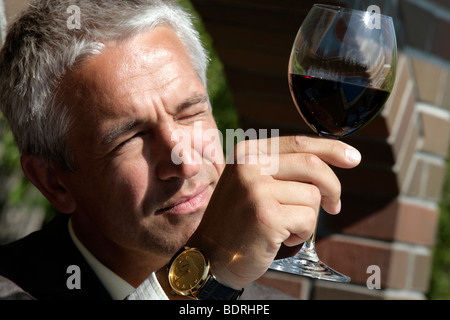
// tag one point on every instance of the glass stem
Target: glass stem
(308, 250)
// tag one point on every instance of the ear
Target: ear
(47, 177)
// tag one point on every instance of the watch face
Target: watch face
(188, 271)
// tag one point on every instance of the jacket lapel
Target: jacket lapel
(42, 264)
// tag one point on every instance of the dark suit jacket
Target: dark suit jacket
(38, 264)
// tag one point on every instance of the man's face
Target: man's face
(126, 103)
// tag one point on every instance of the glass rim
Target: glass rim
(347, 10)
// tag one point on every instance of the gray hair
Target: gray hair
(40, 48)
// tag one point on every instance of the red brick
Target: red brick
(435, 129)
(292, 285)
(263, 111)
(404, 267)
(443, 3)
(324, 290)
(417, 22)
(253, 59)
(402, 78)
(364, 215)
(352, 257)
(376, 128)
(262, 86)
(428, 77)
(384, 218)
(421, 273)
(416, 224)
(435, 180)
(373, 151)
(427, 177)
(406, 152)
(441, 46)
(238, 36)
(403, 120)
(284, 15)
(413, 183)
(400, 268)
(445, 101)
(366, 178)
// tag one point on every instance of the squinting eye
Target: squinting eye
(190, 116)
(137, 135)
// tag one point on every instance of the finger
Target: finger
(299, 222)
(308, 168)
(334, 152)
(296, 193)
(331, 151)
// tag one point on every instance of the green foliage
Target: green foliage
(440, 278)
(219, 93)
(10, 155)
(20, 192)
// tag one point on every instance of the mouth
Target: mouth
(187, 204)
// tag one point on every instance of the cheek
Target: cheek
(133, 177)
(126, 181)
(212, 147)
(207, 142)
(212, 152)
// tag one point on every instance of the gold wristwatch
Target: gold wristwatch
(190, 275)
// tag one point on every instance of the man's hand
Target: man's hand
(251, 215)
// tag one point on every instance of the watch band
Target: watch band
(214, 290)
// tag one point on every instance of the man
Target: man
(93, 111)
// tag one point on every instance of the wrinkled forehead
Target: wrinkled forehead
(142, 77)
(152, 60)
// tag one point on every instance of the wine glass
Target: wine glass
(341, 71)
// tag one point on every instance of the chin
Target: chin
(168, 241)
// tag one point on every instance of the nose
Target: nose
(177, 155)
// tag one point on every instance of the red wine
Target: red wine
(333, 108)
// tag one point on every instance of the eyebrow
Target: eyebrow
(192, 101)
(122, 129)
(119, 130)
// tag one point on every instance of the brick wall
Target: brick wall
(390, 208)
(390, 202)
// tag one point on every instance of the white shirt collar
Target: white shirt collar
(117, 287)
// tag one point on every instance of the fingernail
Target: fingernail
(339, 206)
(352, 154)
